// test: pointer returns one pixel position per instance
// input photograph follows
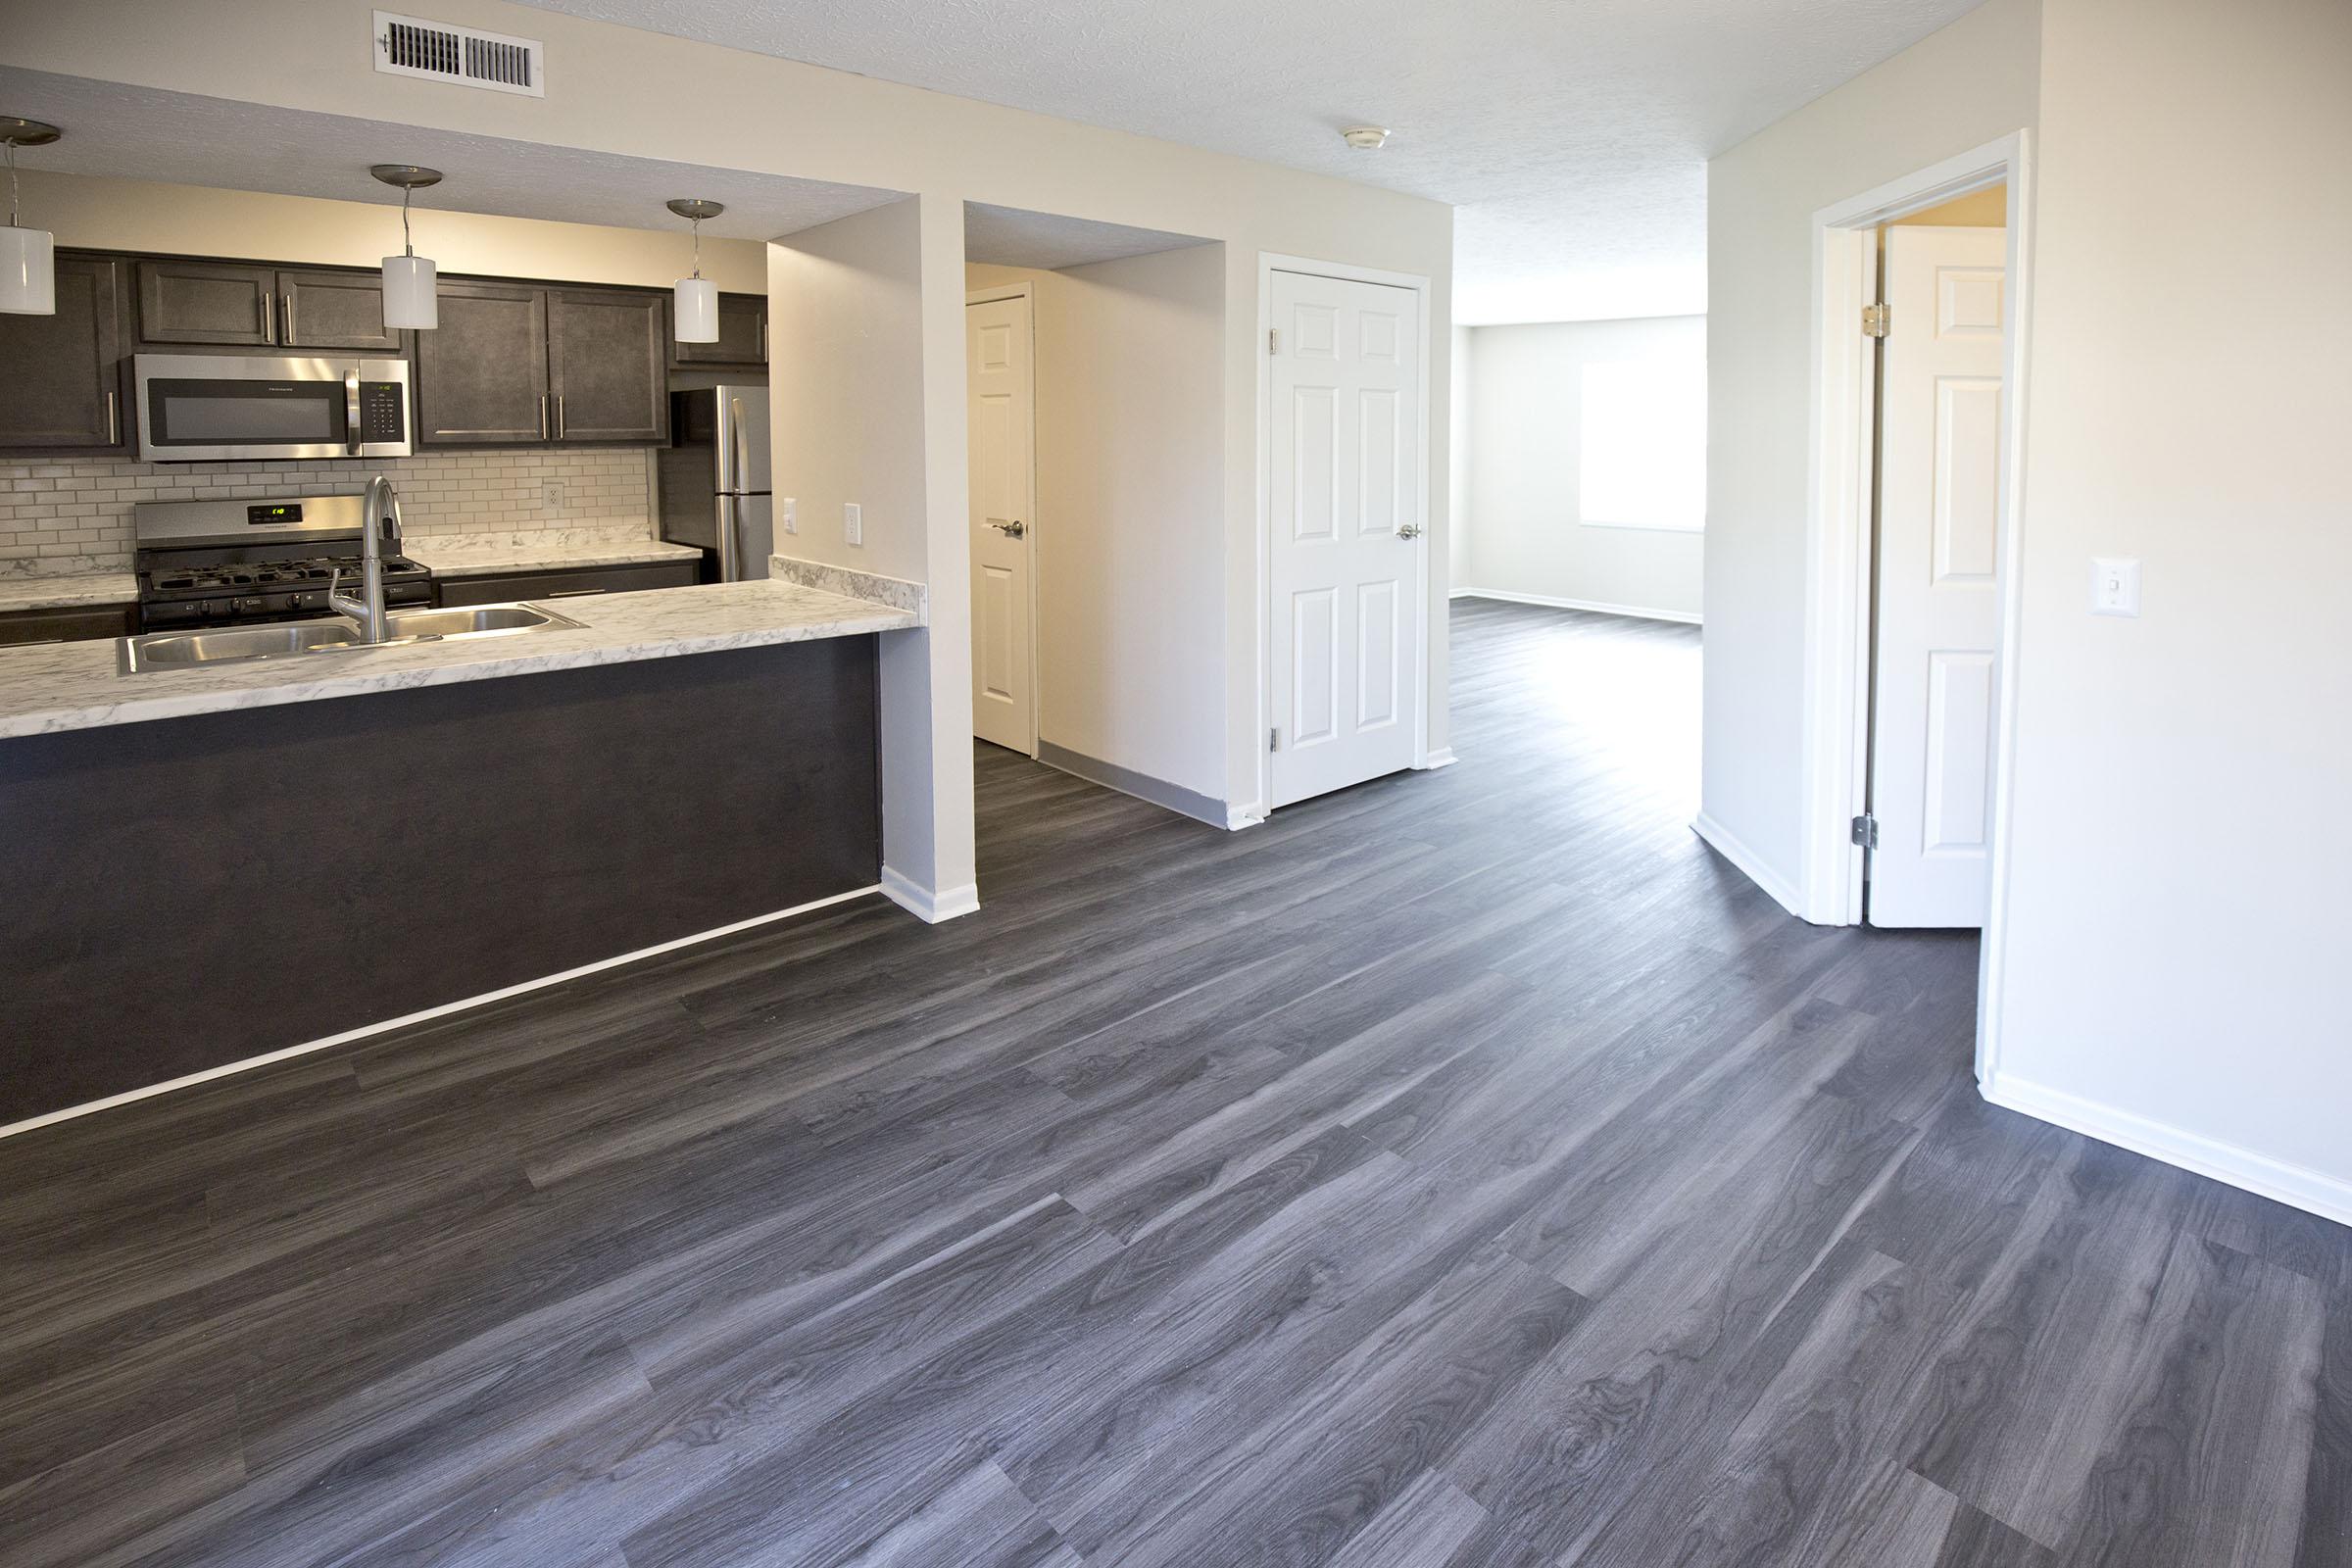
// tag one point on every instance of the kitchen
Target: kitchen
(517, 501)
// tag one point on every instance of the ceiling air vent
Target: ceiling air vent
(407, 46)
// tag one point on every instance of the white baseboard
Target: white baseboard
(2297, 1186)
(1684, 618)
(1727, 846)
(1442, 756)
(427, 1016)
(1237, 817)
(925, 905)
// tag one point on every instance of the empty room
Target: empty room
(1043, 786)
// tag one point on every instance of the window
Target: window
(1645, 457)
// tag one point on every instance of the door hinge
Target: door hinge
(1273, 740)
(1874, 320)
(1273, 340)
(1866, 831)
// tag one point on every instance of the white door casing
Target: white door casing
(1001, 373)
(1938, 624)
(1346, 552)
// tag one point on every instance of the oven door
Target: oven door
(211, 406)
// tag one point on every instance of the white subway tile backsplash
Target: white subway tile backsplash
(75, 517)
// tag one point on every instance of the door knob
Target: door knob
(1411, 530)
(1011, 531)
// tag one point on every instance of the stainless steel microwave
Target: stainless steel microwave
(208, 407)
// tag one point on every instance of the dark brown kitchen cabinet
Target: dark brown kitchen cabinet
(236, 305)
(569, 582)
(741, 335)
(331, 309)
(481, 374)
(69, 623)
(61, 380)
(208, 302)
(606, 364)
(517, 363)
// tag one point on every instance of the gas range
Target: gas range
(257, 558)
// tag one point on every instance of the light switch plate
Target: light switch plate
(853, 523)
(2115, 585)
(791, 516)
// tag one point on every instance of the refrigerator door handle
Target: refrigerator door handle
(736, 453)
(730, 543)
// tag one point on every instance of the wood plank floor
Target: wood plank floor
(1469, 1168)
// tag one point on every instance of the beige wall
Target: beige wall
(2173, 947)
(128, 215)
(1973, 82)
(1979, 209)
(620, 91)
(1524, 469)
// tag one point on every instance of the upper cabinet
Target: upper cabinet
(741, 335)
(233, 305)
(517, 363)
(605, 364)
(61, 377)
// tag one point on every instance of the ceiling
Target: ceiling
(1011, 238)
(181, 139)
(1573, 136)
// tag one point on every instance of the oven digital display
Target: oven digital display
(267, 516)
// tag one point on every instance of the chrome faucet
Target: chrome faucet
(381, 505)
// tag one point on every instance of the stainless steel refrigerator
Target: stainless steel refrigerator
(715, 478)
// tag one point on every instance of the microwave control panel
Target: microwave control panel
(383, 412)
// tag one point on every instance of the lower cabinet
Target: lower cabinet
(500, 588)
(73, 623)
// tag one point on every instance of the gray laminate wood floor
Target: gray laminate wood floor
(1466, 1169)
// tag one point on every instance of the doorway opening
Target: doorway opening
(1096, 401)
(1919, 593)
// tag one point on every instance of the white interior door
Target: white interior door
(1348, 551)
(999, 362)
(1938, 567)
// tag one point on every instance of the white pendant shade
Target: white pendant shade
(411, 298)
(28, 272)
(696, 310)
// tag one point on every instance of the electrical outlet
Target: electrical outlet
(550, 496)
(791, 516)
(853, 523)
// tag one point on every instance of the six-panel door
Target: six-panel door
(1347, 554)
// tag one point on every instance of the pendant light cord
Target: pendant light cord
(11, 184)
(698, 242)
(407, 245)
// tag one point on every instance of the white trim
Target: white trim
(1758, 871)
(428, 1015)
(1026, 290)
(923, 904)
(1442, 756)
(1268, 264)
(1554, 602)
(2328, 1196)
(1237, 817)
(1837, 654)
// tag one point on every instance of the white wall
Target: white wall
(1524, 470)
(1973, 82)
(1458, 465)
(2181, 848)
(853, 419)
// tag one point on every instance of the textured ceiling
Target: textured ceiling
(1574, 136)
(1011, 238)
(180, 139)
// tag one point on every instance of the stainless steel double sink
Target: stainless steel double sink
(181, 649)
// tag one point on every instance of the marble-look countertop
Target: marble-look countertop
(472, 554)
(79, 685)
(29, 591)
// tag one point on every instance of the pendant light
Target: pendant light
(697, 297)
(410, 297)
(27, 256)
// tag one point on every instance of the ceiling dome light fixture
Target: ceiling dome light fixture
(1366, 138)
(412, 297)
(696, 309)
(27, 256)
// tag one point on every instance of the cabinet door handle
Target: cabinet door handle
(269, 318)
(114, 423)
(559, 415)
(572, 593)
(286, 300)
(543, 435)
